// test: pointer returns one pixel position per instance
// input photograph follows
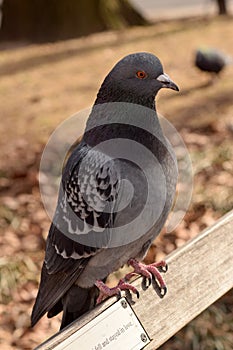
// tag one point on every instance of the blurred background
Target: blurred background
(54, 55)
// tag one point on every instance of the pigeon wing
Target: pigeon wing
(81, 225)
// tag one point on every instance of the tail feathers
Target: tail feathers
(51, 290)
(76, 302)
(55, 310)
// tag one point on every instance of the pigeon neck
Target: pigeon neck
(109, 94)
(121, 120)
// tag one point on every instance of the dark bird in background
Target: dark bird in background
(211, 60)
(74, 272)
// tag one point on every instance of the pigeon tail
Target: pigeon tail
(76, 302)
(49, 295)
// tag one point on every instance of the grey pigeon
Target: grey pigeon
(211, 60)
(89, 237)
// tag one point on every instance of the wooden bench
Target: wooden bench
(199, 273)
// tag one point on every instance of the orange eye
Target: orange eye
(141, 74)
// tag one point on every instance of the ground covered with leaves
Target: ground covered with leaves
(42, 85)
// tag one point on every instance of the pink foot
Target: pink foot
(148, 272)
(105, 291)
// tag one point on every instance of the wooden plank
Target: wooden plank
(199, 273)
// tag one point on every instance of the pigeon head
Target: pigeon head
(136, 78)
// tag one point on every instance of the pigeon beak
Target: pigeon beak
(167, 82)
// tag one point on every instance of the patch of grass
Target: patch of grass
(14, 271)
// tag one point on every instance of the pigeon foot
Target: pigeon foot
(105, 291)
(148, 272)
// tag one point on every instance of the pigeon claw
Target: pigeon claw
(149, 272)
(162, 266)
(163, 291)
(146, 282)
(106, 291)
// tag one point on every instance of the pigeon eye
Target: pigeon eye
(141, 74)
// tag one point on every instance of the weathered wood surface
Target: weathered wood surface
(199, 273)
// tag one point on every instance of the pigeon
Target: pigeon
(101, 222)
(211, 60)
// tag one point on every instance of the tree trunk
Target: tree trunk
(51, 20)
(222, 7)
